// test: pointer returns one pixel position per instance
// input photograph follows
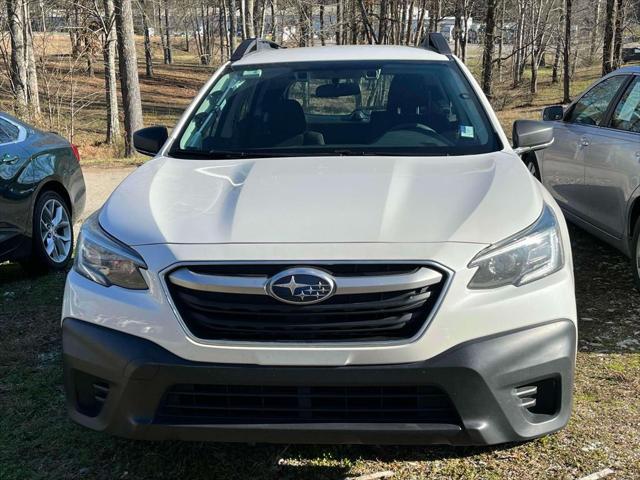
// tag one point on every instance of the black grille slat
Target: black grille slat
(224, 404)
(205, 301)
(376, 316)
(252, 324)
(340, 269)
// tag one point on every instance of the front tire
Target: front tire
(52, 234)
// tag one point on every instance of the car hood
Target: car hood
(478, 199)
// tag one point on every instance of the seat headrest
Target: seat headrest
(408, 92)
(286, 119)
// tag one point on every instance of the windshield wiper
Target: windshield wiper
(348, 152)
(225, 154)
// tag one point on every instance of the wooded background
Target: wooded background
(73, 65)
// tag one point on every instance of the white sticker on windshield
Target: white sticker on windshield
(466, 131)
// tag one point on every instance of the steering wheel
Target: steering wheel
(419, 127)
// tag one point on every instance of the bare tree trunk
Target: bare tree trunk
(566, 57)
(274, 20)
(489, 43)
(457, 27)
(109, 57)
(371, 34)
(353, 23)
(232, 26)
(250, 24)
(148, 54)
(382, 24)
(467, 6)
(222, 28)
(518, 44)
(595, 32)
(15, 12)
(168, 54)
(243, 19)
(322, 36)
(617, 44)
(500, 39)
(339, 8)
(409, 20)
(33, 94)
(263, 16)
(129, 82)
(420, 26)
(555, 74)
(609, 37)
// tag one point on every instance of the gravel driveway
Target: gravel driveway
(100, 183)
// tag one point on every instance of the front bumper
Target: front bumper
(480, 377)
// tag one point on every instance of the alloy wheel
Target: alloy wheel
(55, 231)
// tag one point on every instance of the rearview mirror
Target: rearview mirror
(335, 90)
(531, 135)
(551, 114)
(149, 141)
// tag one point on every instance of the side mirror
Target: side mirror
(551, 114)
(149, 141)
(531, 135)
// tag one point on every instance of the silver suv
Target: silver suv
(593, 167)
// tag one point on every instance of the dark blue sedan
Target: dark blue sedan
(42, 193)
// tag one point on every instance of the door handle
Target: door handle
(8, 159)
(584, 141)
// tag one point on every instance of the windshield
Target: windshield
(338, 108)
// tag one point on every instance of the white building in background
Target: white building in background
(447, 24)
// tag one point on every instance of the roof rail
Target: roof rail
(436, 42)
(251, 45)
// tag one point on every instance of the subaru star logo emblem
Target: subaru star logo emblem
(301, 286)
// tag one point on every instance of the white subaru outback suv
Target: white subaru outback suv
(335, 245)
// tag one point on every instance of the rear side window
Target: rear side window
(627, 114)
(592, 107)
(8, 132)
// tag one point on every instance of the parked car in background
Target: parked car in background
(335, 245)
(593, 167)
(42, 192)
(631, 54)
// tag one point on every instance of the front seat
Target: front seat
(287, 126)
(409, 102)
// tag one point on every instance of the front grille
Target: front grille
(255, 404)
(366, 315)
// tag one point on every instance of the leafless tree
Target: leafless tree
(566, 56)
(128, 62)
(489, 45)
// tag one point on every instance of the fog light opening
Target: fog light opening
(541, 397)
(91, 393)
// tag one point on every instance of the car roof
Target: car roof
(340, 53)
(629, 69)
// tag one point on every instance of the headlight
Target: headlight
(523, 258)
(106, 261)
